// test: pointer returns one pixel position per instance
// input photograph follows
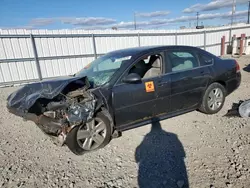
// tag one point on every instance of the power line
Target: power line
(135, 20)
(197, 24)
(233, 10)
(248, 13)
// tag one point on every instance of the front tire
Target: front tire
(91, 136)
(213, 99)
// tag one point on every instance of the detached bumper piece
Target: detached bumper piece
(244, 109)
(241, 109)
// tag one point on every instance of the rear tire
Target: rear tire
(213, 99)
(78, 146)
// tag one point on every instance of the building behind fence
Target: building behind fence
(32, 55)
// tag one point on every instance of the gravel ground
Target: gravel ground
(192, 149)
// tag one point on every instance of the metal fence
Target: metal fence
(28, 56)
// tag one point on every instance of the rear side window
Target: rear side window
(205, 59)
(182, 54)
(182, 60)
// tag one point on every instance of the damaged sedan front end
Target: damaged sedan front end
(56, 106)
(75, 109)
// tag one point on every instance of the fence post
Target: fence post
(139, 41)
(222, 46)
(38, 68)
(234, 45)
(176, 41)
(242, 38)
(94, 46)
(230, 36)
(205, 39)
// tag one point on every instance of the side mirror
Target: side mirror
(132, 78)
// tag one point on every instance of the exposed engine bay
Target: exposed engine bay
(77, 107)
(56, 107)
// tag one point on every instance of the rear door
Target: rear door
(188, 78)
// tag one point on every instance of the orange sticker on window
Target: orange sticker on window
(149, 86)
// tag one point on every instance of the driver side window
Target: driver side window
(148, 66)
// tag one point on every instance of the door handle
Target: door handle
(186, 78)
(160, 84)
(203, 73)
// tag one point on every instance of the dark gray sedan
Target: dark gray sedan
(125, 89)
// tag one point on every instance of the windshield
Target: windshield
(101, 70)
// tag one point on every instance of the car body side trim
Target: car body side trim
(140, 123)
(136, 104)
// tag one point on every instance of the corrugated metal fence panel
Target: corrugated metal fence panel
(157, 40)
(213, 41)
(47, 47)
(107, 44)
(15, 71)
(7, 43)
(51, 68)
(215, 37)
(12, 48)
(60, 49)
(214, 50)
(18, 48)
(66, 46)
(238, 32)
(191, 39)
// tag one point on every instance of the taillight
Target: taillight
(237, 66)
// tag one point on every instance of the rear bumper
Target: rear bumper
(233, 83)
(238, 78)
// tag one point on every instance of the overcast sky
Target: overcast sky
(94, 14)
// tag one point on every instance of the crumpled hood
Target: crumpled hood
(22, 99)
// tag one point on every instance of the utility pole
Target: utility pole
(197, 19)
(248, 13)
(233, 11)
(135, 20)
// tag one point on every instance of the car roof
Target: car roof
(145, 49)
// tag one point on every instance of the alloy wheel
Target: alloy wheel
(215, 99)
(92, 134)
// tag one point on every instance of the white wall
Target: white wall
(18, 48)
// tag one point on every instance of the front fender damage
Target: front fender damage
(57, 116)
(78, 114)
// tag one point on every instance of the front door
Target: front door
(132, 103)
(136, 102)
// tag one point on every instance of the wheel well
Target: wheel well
(108, 115)
(222, 83)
